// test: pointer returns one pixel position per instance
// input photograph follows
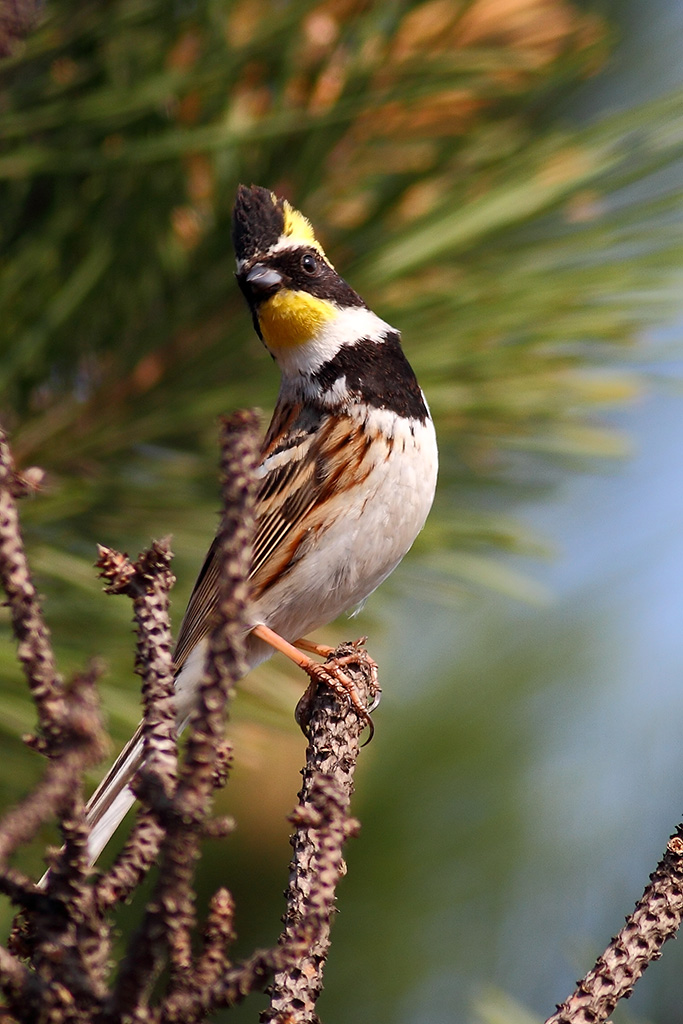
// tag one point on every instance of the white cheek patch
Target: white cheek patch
(348, 326)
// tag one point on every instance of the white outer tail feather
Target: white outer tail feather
(113, 798)
(111, 801)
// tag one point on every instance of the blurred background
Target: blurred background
(503, 181)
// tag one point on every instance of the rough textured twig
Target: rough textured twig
(71, 946)
(148, 581)
(66, 942)
(18, 985)
(235, 983)
(139, 854)
(33, 638)
(656, 918)
(170, 917)
(82, 744)
(71, 865)
(65, 933)
(217, 937)
(322, 826)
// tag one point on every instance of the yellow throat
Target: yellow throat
(293, 318)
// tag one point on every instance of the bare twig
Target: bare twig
(234, 982)
(83, 733)
(656, 918)
(18, 985)
(66, 942)
(64, 933)
(148, 581)
(138, 855)
(218, 934)
(322, 825)
(82, 744)
(33, 648)
(71, 946)
(170, 916)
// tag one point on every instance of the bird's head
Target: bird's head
(295, 295)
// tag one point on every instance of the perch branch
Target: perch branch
(148, 581)
(82, 744)
(235, 982)
(65, 933)
(322, 826)
(656, 918)
(138, 855)
(66, 941)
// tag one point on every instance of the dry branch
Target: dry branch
(148, 581)
(34, 649)
(65, 935)
(656, 918)
(322, 826)
(170, 916)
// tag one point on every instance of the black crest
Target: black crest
(258, 220)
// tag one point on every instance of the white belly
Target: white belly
(373, 528)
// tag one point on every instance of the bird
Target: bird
(347, 473)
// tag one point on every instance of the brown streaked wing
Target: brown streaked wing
(204, 596)
(200, 608)
(290, 504)
(299, 505)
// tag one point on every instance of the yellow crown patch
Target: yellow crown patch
(299, 228)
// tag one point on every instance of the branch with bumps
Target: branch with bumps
(57, 966)
(323, 824)
(656, 918)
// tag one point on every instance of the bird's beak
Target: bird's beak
(262, 281)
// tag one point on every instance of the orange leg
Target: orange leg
(278, 643)
(307, 645)
(330, 673)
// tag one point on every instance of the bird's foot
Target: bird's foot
(331, 674)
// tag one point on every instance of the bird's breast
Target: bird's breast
(364, 530)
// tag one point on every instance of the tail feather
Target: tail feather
(113, 798)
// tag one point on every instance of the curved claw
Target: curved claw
(377, 697)
(371, 726)
(330, 675)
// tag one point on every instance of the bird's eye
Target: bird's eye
(309, 263)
